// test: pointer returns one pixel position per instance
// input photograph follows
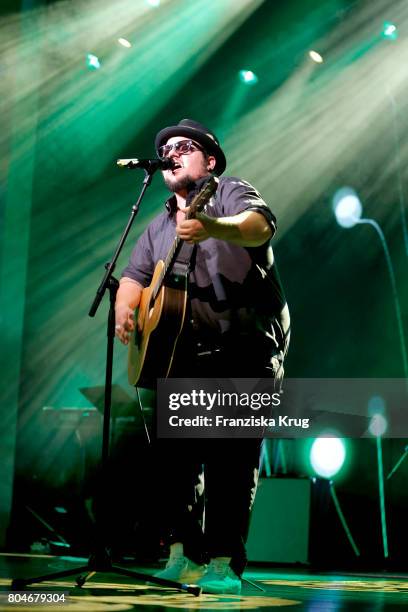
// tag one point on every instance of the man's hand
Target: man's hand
(248, 228)
(127, 300)
(124, 323)
(193, 230)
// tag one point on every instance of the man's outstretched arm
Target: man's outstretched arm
(247, 229)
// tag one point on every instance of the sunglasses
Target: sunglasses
(183, 147)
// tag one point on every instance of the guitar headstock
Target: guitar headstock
(203, 196)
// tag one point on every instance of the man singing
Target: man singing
(237, 325)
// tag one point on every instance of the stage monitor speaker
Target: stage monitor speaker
(280, 522)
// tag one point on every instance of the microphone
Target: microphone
(146, 164)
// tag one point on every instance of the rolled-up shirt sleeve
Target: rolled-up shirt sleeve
(236, 195)
(141, 266)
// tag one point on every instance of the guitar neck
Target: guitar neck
(168, 262)
(197, 204)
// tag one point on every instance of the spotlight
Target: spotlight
(92, 62)
(378, 425)
(327, 456)
(315, 56)
(390, 31)
(248, 77)
(153, 2)
(376, 410)
(124, 42)
(347, 207)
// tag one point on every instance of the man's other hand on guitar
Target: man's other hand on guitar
(127, 299)
(124, 323)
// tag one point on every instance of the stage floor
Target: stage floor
(288, 589)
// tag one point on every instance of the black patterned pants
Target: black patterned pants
(207, 486)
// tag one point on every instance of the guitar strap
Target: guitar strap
(181, 266)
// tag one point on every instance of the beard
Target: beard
(186, 183)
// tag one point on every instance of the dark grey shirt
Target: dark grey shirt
(233, 290)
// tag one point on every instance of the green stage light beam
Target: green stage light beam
(232, 108)
(323, 117)
(281, 454)
(169, 46)
(399, 462)
(264, 462)
(313, 125)
(343, 519)
(15, 235)
(87, 117)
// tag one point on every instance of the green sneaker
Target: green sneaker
(181, 569)
(220, 578)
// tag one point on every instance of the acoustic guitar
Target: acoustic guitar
(161, 312)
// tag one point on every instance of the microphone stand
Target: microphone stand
(100, 559)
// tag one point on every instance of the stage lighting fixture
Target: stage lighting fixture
(390, 31)
(92, 61)
(347, 207)
(377, 428)
(376, 411)
(315, 56)
(124, 42)
(348, 210)
(327, 456)
(378, 425)
(248, 77)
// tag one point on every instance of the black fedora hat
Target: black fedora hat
(199, 133)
